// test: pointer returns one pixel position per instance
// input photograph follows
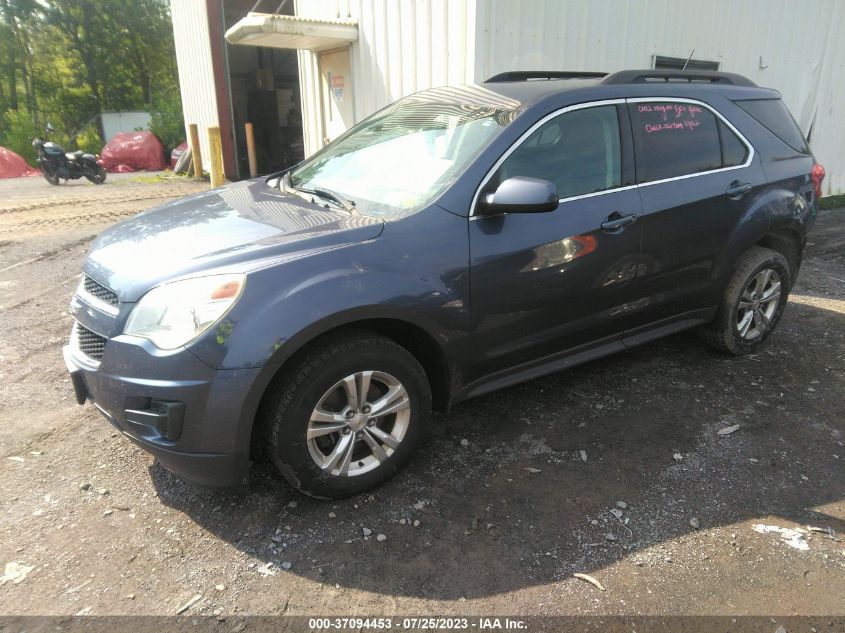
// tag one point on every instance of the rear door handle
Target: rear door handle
(738, 189)
(616, 222)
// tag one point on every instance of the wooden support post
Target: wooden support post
(196, 153)
(250, 150)
(215, 148)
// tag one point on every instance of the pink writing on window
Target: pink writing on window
(670, 116)
(687, 124)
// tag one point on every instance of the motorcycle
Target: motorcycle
(55, 163)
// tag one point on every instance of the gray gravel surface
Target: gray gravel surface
(494, 524)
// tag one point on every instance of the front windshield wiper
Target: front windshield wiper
(329, 194)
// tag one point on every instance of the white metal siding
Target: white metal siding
(801, 45)
(403, 46)
(409, 45)
(196, 75)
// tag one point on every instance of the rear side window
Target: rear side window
(577, 150)
(674, 139)
(773, 115)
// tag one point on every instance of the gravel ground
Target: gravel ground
(614, 469)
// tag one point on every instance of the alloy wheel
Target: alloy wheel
(358, 423)
(758, 304)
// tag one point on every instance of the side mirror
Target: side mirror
(521, 194)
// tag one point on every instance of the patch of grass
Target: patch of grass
(832, 202)
(167, 176)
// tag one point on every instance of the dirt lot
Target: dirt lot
(107, 531)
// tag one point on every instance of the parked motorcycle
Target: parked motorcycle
(56, 163)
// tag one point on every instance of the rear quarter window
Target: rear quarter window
(775, 117)
(734, 151)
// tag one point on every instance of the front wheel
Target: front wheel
(96, 174)
(347, 415)
(753, 302)
(49, 173)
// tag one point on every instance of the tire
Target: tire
(745, 320)
(49, 175)
(318, 465)
(183, 163)
(96, 174)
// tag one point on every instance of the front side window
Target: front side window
(674, 139)
(578, 151)
(409, 152)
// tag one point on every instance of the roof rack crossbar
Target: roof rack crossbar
(647, 76)
(529, 75)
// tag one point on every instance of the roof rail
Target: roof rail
(691, 76)
(529, 75)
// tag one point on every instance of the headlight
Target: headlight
(175, 313)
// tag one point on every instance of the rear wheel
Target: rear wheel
(96, 174)
(753, 302)
(347, 415)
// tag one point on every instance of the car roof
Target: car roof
(530, 87)
(532, 90)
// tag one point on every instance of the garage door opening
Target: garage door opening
(264, 85)
(322, 48)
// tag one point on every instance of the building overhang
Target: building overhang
(288, 31)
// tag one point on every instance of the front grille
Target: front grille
(98, 290)
(90, 343)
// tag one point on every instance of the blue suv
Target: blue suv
(458, 241)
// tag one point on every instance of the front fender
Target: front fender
(399, 275)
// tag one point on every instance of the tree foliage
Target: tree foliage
(67, 61)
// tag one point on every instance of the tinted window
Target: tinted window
(578, 151)
(773, 115)
(674, 139)
(733, 150)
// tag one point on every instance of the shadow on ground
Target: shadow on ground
(491, 526)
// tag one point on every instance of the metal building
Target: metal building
(303, 71)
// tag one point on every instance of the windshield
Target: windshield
(409, 152)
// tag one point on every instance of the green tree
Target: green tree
(166, 119)
(19, 132)
(67, 61)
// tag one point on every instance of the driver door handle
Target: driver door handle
(616, 222)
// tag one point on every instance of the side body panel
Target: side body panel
(416, 271)
(548, 282)
(695, 230)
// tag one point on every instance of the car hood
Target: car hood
(234, 228)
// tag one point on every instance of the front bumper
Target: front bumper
(143, 392)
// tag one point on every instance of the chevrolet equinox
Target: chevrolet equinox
(458, 241)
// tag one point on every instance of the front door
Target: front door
(545, 283)
(336, 93)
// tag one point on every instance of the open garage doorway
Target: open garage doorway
(264, 88)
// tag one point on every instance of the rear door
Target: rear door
(545, 283)
(696, 178)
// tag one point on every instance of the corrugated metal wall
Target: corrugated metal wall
(408, 45)
(403, 46)
(196, 75)
(796, 48)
